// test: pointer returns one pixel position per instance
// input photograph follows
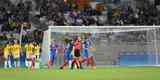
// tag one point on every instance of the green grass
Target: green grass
(108, 73)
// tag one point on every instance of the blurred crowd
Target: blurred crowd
(75, 13)
(72, 13)
(126, 15)
(69, 13)
(12, 17)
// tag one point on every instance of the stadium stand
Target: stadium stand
(60, 12)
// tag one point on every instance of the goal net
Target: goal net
(109, 45)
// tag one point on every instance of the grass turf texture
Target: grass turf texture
(108, 73)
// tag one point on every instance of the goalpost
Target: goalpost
(113, 42)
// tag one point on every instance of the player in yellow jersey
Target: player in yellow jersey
(7, 55)
(37, 50)
(37, 53)
(29, 47)
(16, 52)
(6, 51)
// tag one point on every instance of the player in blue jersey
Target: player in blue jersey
(86, 50)
(52, 54)
(88, 53)
(68, 54)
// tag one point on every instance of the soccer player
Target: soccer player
(86, 51)
(11, 50)
(68, 54)
(30, 55)
(16, 49)
(52, 54)
(77, 54)
(7, 55)
(37, 53)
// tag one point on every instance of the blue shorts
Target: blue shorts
(86, 53)
(53, 56)
(68, 56)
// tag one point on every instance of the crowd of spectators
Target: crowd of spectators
(126, 15)
(59, 12)
(12, 17)
(69, 12)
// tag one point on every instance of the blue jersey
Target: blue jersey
(53, 49)
(68, 50)
(86, 46)
(53, 52)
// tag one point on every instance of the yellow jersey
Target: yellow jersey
(29, 49)
(6, 51)
(11, 49)
(37, 50)
(16, 49)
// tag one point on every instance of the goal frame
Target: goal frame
(85, 29)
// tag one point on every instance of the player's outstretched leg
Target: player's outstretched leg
(64, 64)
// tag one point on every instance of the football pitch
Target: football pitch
(107, 73)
